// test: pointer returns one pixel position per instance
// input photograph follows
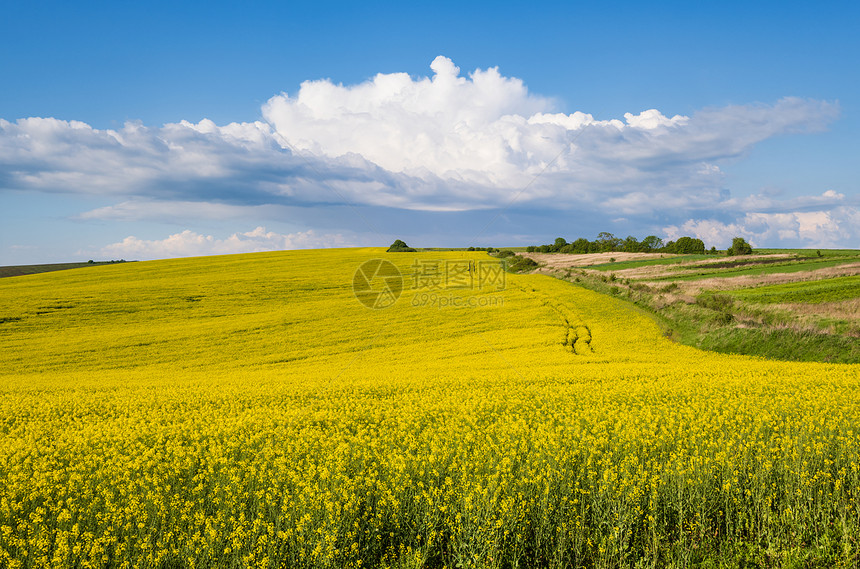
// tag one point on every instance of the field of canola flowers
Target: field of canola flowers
(247, 410)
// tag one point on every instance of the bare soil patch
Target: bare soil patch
(748, 281)
(657, 271)
(567, 260)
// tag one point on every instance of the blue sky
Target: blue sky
(551, 119)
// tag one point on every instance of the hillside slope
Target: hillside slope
(249, 409)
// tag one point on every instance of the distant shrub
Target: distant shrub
(739, 247)
(400, 247)
(520, 264)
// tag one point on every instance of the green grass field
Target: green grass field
(813, 292)
(755, 269)
(811, 252)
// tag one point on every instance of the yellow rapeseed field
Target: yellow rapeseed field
(249, 410)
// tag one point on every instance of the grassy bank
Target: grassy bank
(788, 305)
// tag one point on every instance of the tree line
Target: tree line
(607, 242)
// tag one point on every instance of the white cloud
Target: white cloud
(489, 132)
(449, 125)
(447, 142)
(189, 243)
(764, 202)
(175, 211)
(839, 227)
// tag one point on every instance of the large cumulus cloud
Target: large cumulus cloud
(443, 142)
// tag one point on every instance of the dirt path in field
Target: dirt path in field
(657, 271)
(576, 335)
(745, 281)
(687, 291)
(553, 262)
(566, 260)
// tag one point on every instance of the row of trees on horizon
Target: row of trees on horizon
(607, 242)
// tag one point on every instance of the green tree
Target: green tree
(581, 245)
(631, 245)
(399, 247)
(608, 242)
(651, 243)
(689, 245)
(739, 247)
(685, 246)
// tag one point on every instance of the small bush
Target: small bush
(520, 264)
(400, 247)
(724, 318)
